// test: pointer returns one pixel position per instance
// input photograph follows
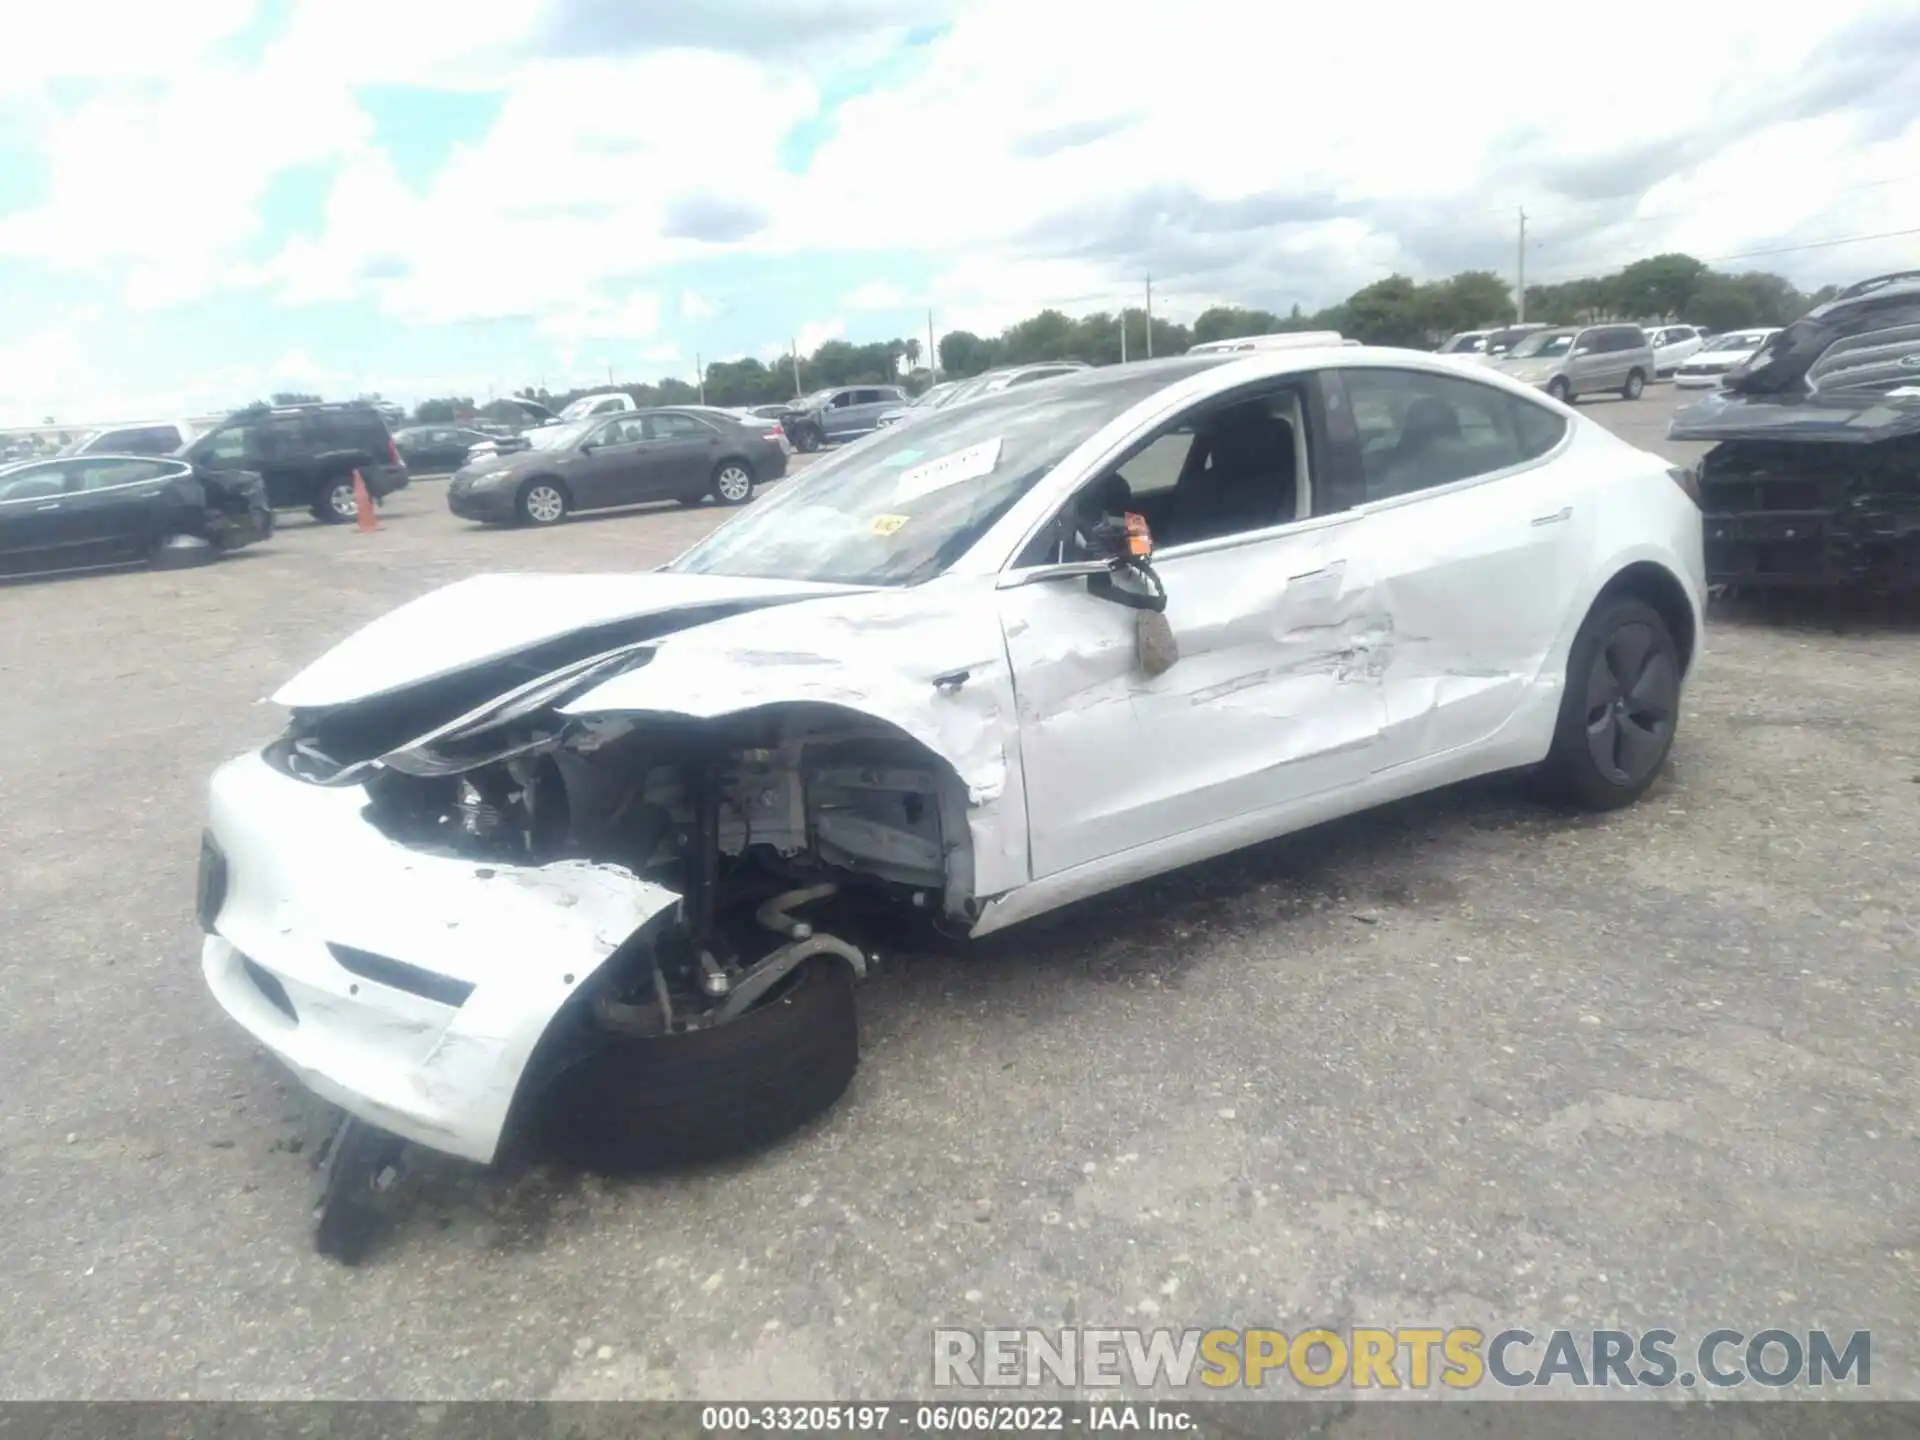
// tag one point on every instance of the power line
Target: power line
(1813, 245)
(1570, 213)
(1751, 254)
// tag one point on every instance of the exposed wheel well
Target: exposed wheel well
(742, 461)
(1658, 587)
(553, 480)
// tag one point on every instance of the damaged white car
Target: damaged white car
(588, 853)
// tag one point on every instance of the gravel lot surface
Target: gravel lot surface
(1462, 1060)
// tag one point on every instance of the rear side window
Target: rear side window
(1417, 431)
(1536, 428)
(229, 445)
(678, 427)
(107, 474)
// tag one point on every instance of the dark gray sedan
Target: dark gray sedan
(620, 460)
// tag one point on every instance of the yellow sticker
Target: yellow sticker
(886, 524)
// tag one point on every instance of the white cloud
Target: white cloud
(157, 186)
(876, 295)
(816, 333)
(1236, 150)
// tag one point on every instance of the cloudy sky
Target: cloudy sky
(204, 200)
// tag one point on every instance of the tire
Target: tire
(733, 482)
(542, 501)
(1560, 390)
(1636, 385)
(807, 439)
(1620, 709)
(335, 505)
(183, 552)
(635, 1104)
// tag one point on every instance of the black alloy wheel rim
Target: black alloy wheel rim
(1633, 691)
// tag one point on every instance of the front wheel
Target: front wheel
(1636, 384)
(1620, 708)
(542, 502)
(1560, 390)
(637, 1102)
(733, 483)
(807, 439)
(336, 505)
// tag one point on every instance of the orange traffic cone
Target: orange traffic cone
(362, 504)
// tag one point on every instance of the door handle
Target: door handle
(1565, 512)
(50, 505)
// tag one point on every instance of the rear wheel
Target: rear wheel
(733, 483)
(1636, 383)
(637, 1102)
(541, 502)
(807, 439)
(1620, 709)
(336, 505)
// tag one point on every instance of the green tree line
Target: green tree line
(1395, 311)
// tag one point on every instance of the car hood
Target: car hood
(493, 616)
(1527, 369)
(1856, 418)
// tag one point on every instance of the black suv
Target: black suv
(307, 454)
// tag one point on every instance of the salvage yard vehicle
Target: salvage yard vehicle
(307, 454)
(1672, 346)
(1813, 481)
(678, 454)
(1573, 361)
(1719, 357)
(80, 512)
(615, 840)
(844, 412)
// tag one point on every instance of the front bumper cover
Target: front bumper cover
(340, 951)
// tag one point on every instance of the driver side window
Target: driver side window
(1233, 467)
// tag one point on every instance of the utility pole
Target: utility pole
(933, 355)
(793, 351)
(1520, 292)
(609, 372)
(1123, 334)
(700, 374)
(1149, 317)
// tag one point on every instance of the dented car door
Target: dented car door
(1477, 546)
(1275, 697)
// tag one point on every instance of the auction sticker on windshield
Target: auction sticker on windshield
(886, 524)
(969, 464)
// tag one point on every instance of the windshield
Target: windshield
(1543, 345)
(900, 513)
(1740, 340)
(934, 398)
(79, 443)
(582, 407)
(1464, 344)
(557, 437)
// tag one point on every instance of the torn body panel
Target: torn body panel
(927, 664)
(311, 889)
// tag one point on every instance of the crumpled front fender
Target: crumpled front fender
(931, 668)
